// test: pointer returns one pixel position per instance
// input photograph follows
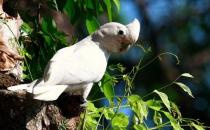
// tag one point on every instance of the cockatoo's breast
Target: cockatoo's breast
(94, 57)
(84, 62)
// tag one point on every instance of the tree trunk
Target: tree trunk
(19, 111)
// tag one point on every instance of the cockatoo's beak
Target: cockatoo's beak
(134, 29)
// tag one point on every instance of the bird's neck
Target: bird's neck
(99, 43)
(96, 44)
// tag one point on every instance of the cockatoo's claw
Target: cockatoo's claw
(84, 103)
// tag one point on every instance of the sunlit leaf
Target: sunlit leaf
(108, 113)
(120, 120)
(91, 24)
(164, 98)
(107, 84)
(109, 9)
(138, 106)
(140, 127)
(91, 107)
(117, 3)
(185, 88)
(157, 118)
(90, 122)
(187, 75)
(173, 121)
(197, 127)
(154, 104)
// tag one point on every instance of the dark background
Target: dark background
(183, 28)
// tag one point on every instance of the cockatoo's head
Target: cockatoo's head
(116, 37)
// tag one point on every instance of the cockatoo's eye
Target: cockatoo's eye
(120, 32)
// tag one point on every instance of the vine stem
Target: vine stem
(158, 56)
(100, 118)
(106, 98)
(83, 121)
(166, 86)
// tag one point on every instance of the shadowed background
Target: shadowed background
(183, 28)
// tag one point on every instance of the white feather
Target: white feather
(49, 93)
(18, 87)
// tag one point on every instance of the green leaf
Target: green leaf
(157, 118)
(120, 121)
(173, 121)
(133, 98)
(117, 4)
(89, 4)
(47, 25)
(90, 122)
(185, 88)
(138, 106)
(176, 109)
(154, 104)
(187, 75)
(109, 9)
(164, 98)
(197, 127)
(108, 113)
(107, 84)
(69, 8)
(140, 127)
(26, 28)
(91, 24)
(91, 107)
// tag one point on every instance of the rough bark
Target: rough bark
(10, 59)
(19, 111)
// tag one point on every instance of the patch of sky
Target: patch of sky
(129, 10)
(159, 11)
(198, 35)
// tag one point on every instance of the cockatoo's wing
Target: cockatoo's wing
(49, 92)
(82, 63)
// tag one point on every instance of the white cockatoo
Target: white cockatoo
(74, 69)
